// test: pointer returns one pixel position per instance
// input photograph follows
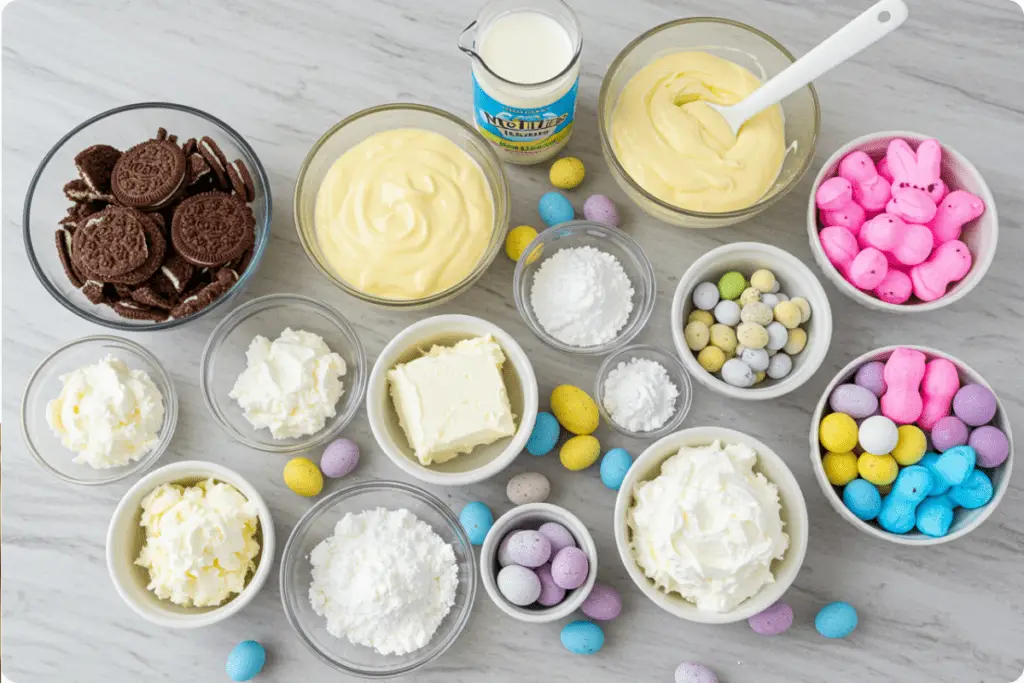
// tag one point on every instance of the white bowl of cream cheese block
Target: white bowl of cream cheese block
(483, 461)
(125, 538)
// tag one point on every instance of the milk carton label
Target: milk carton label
(524, 130)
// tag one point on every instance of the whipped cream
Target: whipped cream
(708, 527)
(291, 385)
(200, 542)
(109, 414)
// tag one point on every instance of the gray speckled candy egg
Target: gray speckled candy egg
(854, 400)
(529, 548)
(518, 585)
(528, 487)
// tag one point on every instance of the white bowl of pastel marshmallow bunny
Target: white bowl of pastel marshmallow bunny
(902, 223)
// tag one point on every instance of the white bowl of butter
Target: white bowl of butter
(140, 567)
(452, 432)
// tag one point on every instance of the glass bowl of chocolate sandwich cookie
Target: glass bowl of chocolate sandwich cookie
(147, 216)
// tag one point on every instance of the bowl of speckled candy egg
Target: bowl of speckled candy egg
(962, 433)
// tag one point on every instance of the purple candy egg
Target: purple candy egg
(692, 672)
(558, 535)
(529, 548)
(601, 209)
(948, 432)
(990, 445)
(974, 404)
(550, 593)
(570, 567)
(854, 400)
(603, 604)
(773, 621)
(870, 377)
(340, 457)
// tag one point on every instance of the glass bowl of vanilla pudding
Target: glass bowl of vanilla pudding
(666, 148)
(402, 205)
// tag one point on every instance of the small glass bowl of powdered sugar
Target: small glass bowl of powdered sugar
(585, 288)
(643, 392)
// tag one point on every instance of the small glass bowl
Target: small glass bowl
(676, 372)
(45, 385)
(124, 127)
(318, 524)
(224, 360)
(361, 125)
(613, 241)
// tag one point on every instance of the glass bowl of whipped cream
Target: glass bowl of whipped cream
(402, 205)
(283, 373)
(662, 147)
(98, 410)
(378, 579)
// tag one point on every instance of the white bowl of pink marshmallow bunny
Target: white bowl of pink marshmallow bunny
(901, 223)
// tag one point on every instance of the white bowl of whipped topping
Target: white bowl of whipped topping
(711, 525)
(189, 545)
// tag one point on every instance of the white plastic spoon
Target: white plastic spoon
(881, 19)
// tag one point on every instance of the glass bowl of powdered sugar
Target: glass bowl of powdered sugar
(378, 579)
(585, 288)
(643, 391)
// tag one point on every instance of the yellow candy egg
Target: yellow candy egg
(750, 295)
(303, 476)
(763, 280)
(796, 342)
(910, 446)
(880, 470)
(567, 173)
(699, 316)
(574, 409)
(711, 358)
(787, 313)
(759, 377)
(752, 335)
(517, 240)
(697, 335)
(579, 452)
(838, 432)
(724, 338)
(840, 468)
(804, 306)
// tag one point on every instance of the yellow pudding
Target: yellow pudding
(404, 214)
(683, 152)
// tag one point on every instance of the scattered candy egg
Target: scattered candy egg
(879, 435)
(614, 466)
(697, 335)
(797, 341)
(303, 477)
(518, 585)
(750, 295)
(975, 491)
(567, 173)
(529, 548)
(528, 487)
(550, 593)
(518, 239)
(757, 359)
(838, 432)
(763, 280)
(756, 312)
(787, 313)
(603, 604)
(877, 469)
(706, 296)
(773, 621)
(911, 445)
(752, 335)
(570, 567)
(246, 660)
(723, 337)
(854, 400)
(731, 285)
(727, 312)
(692, 672)
(580, 452)
(949, 432)
(558, 536)
(780, 366)
(840, 468)
(711, 358)
(870, 376)
(991, 446)
(601, 209)
(737, 373)
(836, 620)
(975, 404)
(340, 457)
(477, 519)
(863, 499)
(574, 409)
(582, 637)
(699, 316)
(555, 208)
(778, 336)
(544, 435)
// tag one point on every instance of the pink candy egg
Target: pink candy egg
(550, 593)
(840, 246)
(603, 604)
(570, 568)
(868, 269)
(895, 287)
(529, 548)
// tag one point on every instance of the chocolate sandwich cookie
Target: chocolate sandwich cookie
(110, 243)
(173, 277)
(156, 243)
(79, 191)
(63, 239)
(148, 296)
(150, 175)
(133, 310)
(95, 292)
(217, 161)
(78, 212)
(200, 299)
(213, 228)
(189, 147)
(241, 181)
(120, 291)
(95, 164)
(161, 133)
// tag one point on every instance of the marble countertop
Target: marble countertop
(283, 71)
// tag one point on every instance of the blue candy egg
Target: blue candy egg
(974, 492)
(836, 620)
(863, 499)
(934, 516)
(554, 208)
(582, 637)
(544, 435)
(939, 485)
(614, 466)
(477, 519)
(246, 660)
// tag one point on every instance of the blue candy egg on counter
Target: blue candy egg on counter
(582, 637)
(614, 466)
(836, 620)
(555, 208)
(477, 519)
(246, 661)
(544, 435)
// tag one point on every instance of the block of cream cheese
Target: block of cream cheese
(452, 399)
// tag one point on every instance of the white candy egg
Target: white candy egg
(780, 366)
(705, 296)
(757, 359)
(737, 373)
(778, 335)
(727, 312)
(519, 585)
(878, 435)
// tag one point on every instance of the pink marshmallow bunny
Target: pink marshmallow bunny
(959, 207)
(940, 384)
(883, 169)
(868, 269)
(895, 287)
(840, 246)
(920, 171)
(909, 243)
(870, 190)
(851, 217)
(903, 372)
(950, 262)
(834, 194)
(912, 205)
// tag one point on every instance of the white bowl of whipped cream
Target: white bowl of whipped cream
(190, 545)
(711, 525)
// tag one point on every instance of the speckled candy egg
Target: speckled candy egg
(699, 316)
(614, 466)
(778, 336)
(574, 409)
(796, 342)
(528, 487)
(711, 358)
(836, 620)
(974, 404)
(529, 548)
(774, 621)
(550, 593)
(949, 432)
(504, 556)
(603, 604)
(554, 209)
(706, 296)
(723, 337)
(579, 452)
(303, 477)
(787, 313)
(601, 209)
(558, 535)
(477, 519)
(340, 457)
(567, 173)
(582, 637)
(518, 239)
(871, 378)
(991, 445)
(854, 400)
(692, 672)
(756, 312)
(731, 285)
(518, 585)
(570, 567)
(780, 366)
(750, 295)
(246, 660)
(752, 335)
(737, 373)
(727, 312)
(544, 435)
(757, 359)
(697, 335)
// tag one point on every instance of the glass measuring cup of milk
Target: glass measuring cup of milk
(526, 67)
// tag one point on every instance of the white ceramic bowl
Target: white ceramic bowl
(795, 278)
(531, 516)
(125, 538)
(980, 235)
(484, 461)
(964, 521)
(794, 514)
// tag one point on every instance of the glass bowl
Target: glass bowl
(361, 125)
(739, 43)
(588, 234)
(676, 372)
(45, 385)
(224, 360)
(124, 127)
(318, 523)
